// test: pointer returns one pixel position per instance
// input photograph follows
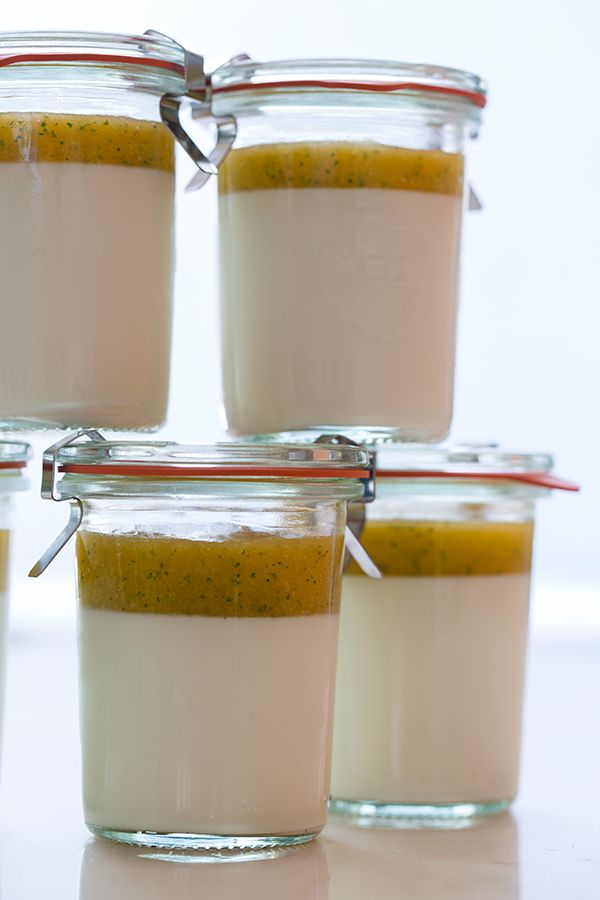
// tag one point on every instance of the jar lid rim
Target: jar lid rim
(482, 462)
(14, 454)
(39, 47)
(348, 74)
(163, 459)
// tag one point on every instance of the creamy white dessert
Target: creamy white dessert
(86, 255)
(213, 715)
(431, 666)
(206, 725)
(339, 277)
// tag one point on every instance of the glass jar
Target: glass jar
(13, 459)
(340, 219)
(87, 171)
(209, 583)
(432, 655)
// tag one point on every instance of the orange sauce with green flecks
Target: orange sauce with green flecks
(447, 548)
(341, 165)
(35, 137)
(250, 574)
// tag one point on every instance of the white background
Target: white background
(528, 369)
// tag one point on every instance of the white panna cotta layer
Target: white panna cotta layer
(430, 688)
(339, 308)
(86, 253)
(205, 725)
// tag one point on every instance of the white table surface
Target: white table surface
(548, 847)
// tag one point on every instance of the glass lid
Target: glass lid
(28, 52)
(358, 75)
(477, 461)
(141, 459)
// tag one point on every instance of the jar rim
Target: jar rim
(477, 462)
(25, 49)
(230, 460)
(352, 75)
(14, 454)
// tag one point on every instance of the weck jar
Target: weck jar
(340, 211)
(432, 655)
(209, 585)
(86, 249)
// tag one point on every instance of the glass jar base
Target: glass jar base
(421, 811)
(185, 841)
(361, 434)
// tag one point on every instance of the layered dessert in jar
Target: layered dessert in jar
(209, 580)
(334, 256)
(432, 655)
(207, 677)
(436, 698)
(86, 247)
(340, 227)
(87, 261)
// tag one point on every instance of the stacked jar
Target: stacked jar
(432, 655)
(341, 208)
(209, 581)
(87, 171)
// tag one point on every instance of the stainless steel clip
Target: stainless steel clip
(49, 492)
(355, 520)
(198, 95)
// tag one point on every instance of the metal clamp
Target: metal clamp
(49, 492)
(356, 515)
(198, 94)
(368, 482)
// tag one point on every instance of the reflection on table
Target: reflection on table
(478, 861)
(354, 861)
(129, 873)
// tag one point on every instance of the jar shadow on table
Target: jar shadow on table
(479, 860)
(130, 873)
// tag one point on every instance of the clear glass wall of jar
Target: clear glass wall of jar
(340, 220)
(209, 582)
(432, 656)
(86, 249)
(13, 459)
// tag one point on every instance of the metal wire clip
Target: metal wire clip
(49, 492)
